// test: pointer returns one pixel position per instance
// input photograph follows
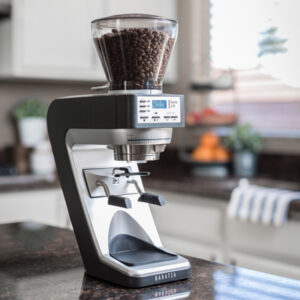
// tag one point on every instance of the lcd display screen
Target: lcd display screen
(159, 103)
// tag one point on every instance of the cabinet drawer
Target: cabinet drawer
(280, 243)
(42, 206)
(264, 265)
(192, 218)
(190, 248)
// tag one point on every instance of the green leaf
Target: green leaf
(30, 108)
(243, 138)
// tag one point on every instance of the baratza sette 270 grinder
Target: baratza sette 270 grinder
(98, 141)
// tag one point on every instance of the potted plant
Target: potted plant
(31, 121)
(244, 142)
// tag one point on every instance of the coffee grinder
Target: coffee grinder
(98, 141)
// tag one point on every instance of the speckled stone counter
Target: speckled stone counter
(45, 264)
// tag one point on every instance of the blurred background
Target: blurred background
(232, 174)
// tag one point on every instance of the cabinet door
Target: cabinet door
(192, 248)
(266, 265)
(165, 8)
(268, 241)
(197, 219)
(52, 39)
(42, 206)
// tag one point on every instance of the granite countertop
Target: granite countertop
(46, 264)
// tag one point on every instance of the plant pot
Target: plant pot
(42, 160)
(32, 130)
(245, 163)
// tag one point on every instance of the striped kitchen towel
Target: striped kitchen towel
(263, 205)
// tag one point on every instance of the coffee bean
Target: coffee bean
(135, 58)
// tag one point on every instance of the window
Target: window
(258, 42)
(246, 32)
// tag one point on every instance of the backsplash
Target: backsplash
(281, 167)
(270, 166)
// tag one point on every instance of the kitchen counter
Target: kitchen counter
(170, 174)
(215, 188)
(45, 264)
(176, 176)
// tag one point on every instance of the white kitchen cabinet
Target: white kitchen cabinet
(190, 217)
(191, 225)
(198, 226)
(278, 243)
(266, 265)
(51, 39)
(192, 248)
(45, 206)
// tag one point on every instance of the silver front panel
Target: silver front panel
(137, 221)
(117, 186)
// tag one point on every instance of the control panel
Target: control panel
(158, 109)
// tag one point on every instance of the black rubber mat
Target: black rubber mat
(135, 252)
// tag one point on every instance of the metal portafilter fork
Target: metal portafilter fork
(144, 197)
(124, 201)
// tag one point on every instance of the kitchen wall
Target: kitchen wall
(13, 91)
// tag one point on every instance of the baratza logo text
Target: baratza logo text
(165, 276)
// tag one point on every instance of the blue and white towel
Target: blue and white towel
(263, 205)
